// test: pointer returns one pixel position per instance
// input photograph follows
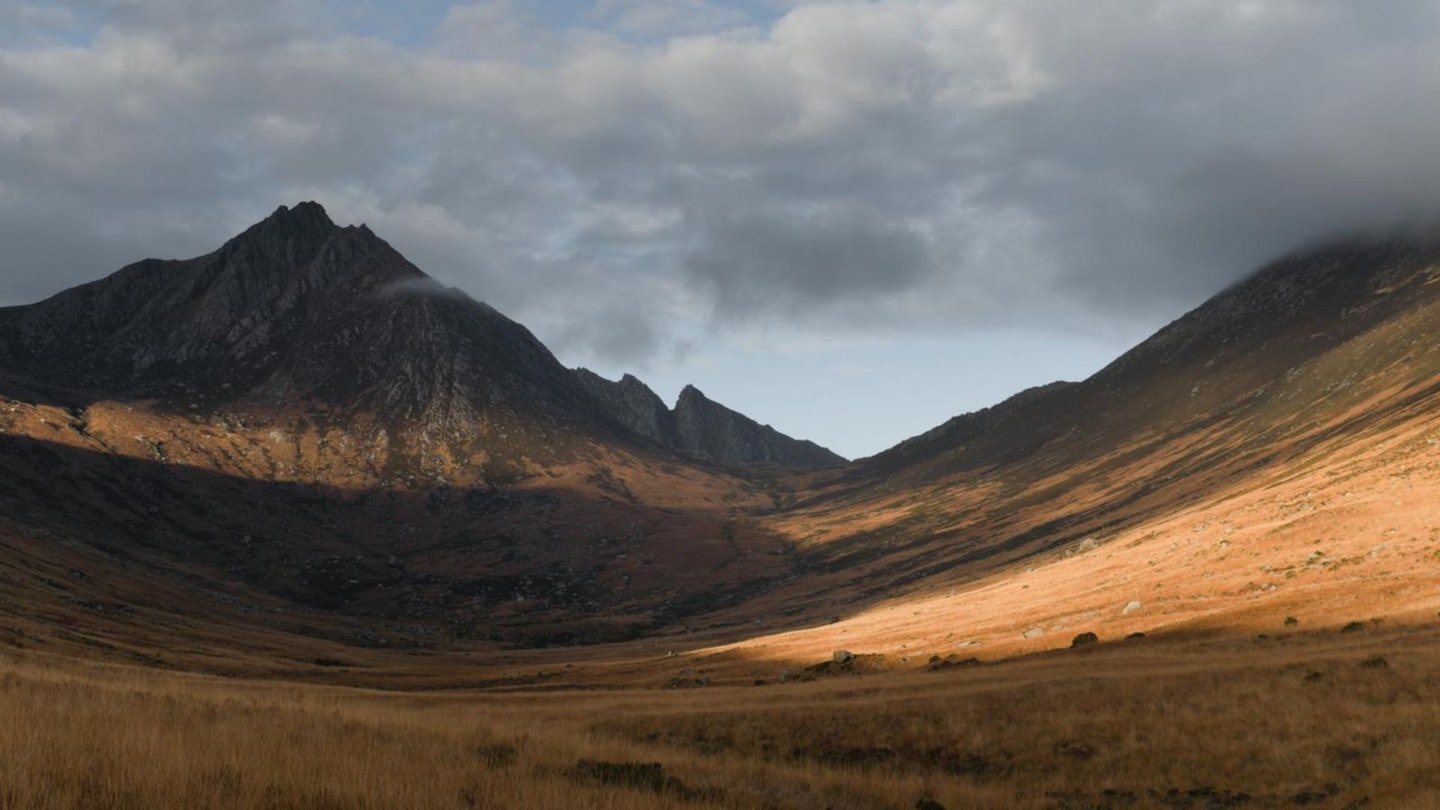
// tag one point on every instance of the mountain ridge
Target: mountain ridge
(305, 414)
(293, 308)
(390, 451)
(701, 427)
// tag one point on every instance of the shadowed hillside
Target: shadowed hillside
(304, 417)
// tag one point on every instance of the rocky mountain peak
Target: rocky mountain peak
(631, 403)
(294, 309)
(698, 426)
(289, 236)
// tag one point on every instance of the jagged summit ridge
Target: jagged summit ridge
(710, 429)
(631, 403)
(699, 426)
(294, 309)
(298, 312)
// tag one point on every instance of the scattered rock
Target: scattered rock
(1291, 621)
(1134, 636)
(1033, 632)
(854, 665)
(1132, 607)
(1083, 639)
(1353, 627)
(843, 656)
(951, 661)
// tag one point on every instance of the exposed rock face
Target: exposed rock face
(307, 417)
(699, 426)
(711, 430)
(633, 404)
(294, 310)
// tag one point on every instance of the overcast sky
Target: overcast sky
(851, 220)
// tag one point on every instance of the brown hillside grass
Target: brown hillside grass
(1327, 719)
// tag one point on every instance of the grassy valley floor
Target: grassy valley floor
(1328, 718)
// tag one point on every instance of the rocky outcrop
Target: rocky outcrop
(711, 430)
(295, 310)
(699, 426)
(631, 403)
(320, 330)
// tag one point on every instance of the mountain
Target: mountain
(1269, 425)
(294, 310)
(1268, 354)
(301, 434)
(699, 426)
(633, 404)
(304, 415)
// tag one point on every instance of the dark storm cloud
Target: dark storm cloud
(646, 171)
(763, 262)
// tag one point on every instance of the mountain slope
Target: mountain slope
(1231, 355)
(633, 404)
(294, 309)
(707, 428)
(699, 426)
(302, 422)
(305, 416)
(1317, 374)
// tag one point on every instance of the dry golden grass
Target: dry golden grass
(1326, 720)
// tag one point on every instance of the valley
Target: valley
(294, 496)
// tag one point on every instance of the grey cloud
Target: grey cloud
(764, 262)
(616, 335)
(624, 333)
(894, 166)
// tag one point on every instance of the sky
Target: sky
(850, 220)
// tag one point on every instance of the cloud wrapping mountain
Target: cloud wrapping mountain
(899, 166)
